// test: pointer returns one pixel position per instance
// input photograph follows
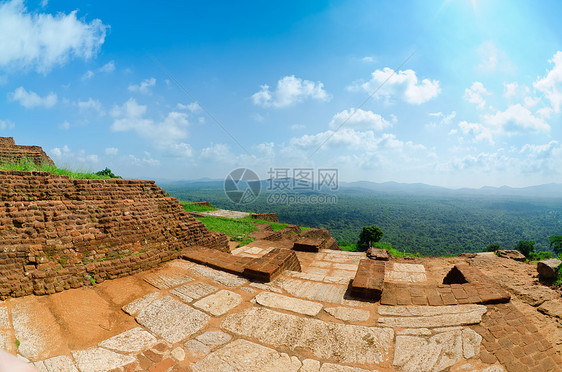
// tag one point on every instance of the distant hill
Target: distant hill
(551, 190)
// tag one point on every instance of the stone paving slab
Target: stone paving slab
(363, 345)
(229, 280)
(131, 341)
(246, 356)
(288, 303)
(99, 359)
(219, 303)
(449, 316)
(214, 338)
(193, 291)
(315, 291)
(36, 329)
(348, 314)
(57, 364)
(166, 280)
(172, 320)
(137, 305)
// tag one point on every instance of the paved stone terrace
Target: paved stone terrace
(187, 317)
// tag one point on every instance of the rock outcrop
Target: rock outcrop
(547, 268)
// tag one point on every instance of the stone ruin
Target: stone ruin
(10, 152)
(60, 233)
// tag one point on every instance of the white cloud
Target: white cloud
(475, 94)
(144, 86)
(403, 84)
(91, 105)
(531, 101)
(65, 125)
(79, 158)
(297, 126)
(516, 118)
(359, 119)
(368, 59)
(441, 120)
(551, 84)
(147, 160)
(165, 135)
(290, 90)
(493, 59)
(510, 89)
(108, 67)
(88, 75)
(111, 151)
(6, 124)
(476, 130)
(193, 107)
(31, 99)
(40, 41)
(217, 153)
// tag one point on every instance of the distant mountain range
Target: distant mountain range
(551, 190)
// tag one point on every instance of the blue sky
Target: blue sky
(451, 93)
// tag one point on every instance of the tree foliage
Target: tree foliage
(526, 247)
(556, 243)
(368, 236)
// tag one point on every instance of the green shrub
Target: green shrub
(493, 248)
(526, 247)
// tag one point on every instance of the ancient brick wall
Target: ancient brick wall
(57, 233)
(10, 152)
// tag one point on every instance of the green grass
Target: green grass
(28, 165)
(237, 229)
(196, 208)
(276, 226)
(352, 247)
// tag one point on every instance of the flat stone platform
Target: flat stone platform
(183, 316)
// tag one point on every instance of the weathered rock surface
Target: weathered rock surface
(219, 303)
(362, 344)
(552, 308)
(246, 356)
(288, 303)
(512, 254)
(171, 319)
(547, 268)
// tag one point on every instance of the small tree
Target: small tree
(556, 243)
(107, 172)
(493, 248)
(526, 247)
(368, 236)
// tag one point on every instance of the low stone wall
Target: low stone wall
(80, 232)
(10, 152)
